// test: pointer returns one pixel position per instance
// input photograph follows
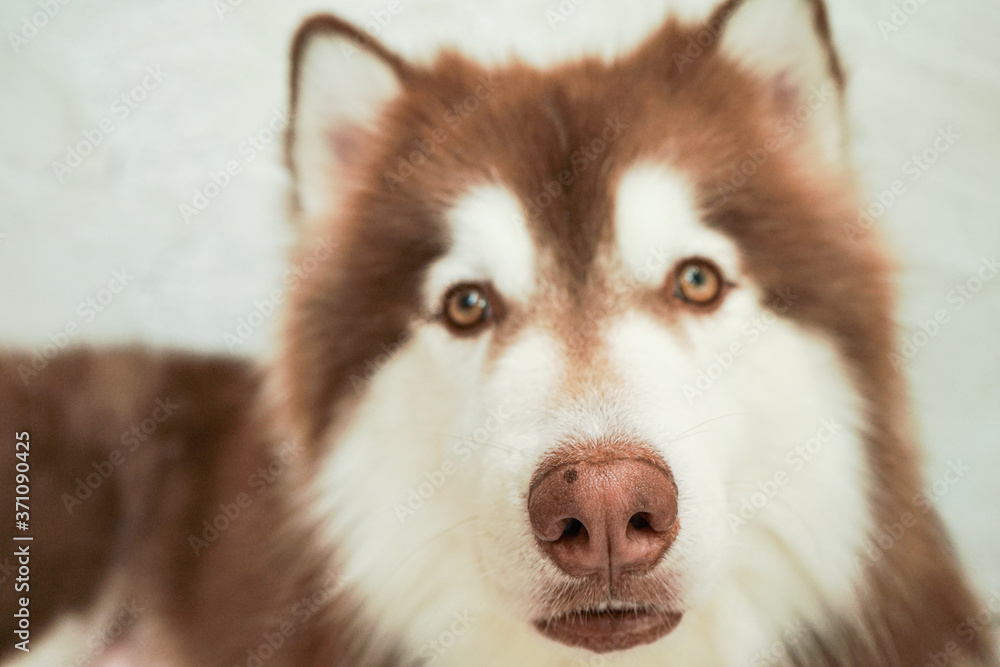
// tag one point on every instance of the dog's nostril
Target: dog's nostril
(573, 528)
(617, 515)
(640, 522)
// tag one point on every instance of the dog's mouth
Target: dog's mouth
(608, 627)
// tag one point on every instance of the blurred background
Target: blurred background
(142, 187)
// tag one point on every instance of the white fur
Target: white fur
(115, 630)
(62, 644)
(657, 223)
(902, 83)
(468, 549)
(790, 56)
(489, 242)
(342, 90)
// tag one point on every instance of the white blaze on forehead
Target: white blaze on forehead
(489, 242)
(657, 223)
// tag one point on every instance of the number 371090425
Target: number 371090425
(21, 451)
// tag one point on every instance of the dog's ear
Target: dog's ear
(341, 80)
(788, 43)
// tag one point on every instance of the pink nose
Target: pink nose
(604, 514)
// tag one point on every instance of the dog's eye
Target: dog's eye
(467, 307)
(697, 282)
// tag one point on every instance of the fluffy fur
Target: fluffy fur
(400, 519)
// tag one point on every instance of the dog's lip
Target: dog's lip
(603, 629)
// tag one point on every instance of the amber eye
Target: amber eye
(467, 307)
(698, 282)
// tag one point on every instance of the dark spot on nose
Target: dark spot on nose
(605, 515)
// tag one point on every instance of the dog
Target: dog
(588, 372)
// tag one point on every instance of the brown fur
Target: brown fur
(218, 605)
(787, 218)
(136, 528)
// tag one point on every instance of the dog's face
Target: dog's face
(584, 366)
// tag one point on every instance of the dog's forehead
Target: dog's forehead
(575, 159)
(654, 221)
(550, 141)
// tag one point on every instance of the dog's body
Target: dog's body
(594, 369)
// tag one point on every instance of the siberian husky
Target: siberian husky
(582, 366)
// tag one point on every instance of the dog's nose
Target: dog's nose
(602, 514)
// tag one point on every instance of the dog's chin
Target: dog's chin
(605, 630)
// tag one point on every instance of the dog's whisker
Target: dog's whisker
(709, 421)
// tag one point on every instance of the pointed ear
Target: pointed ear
(788, 43)
(341, 80)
